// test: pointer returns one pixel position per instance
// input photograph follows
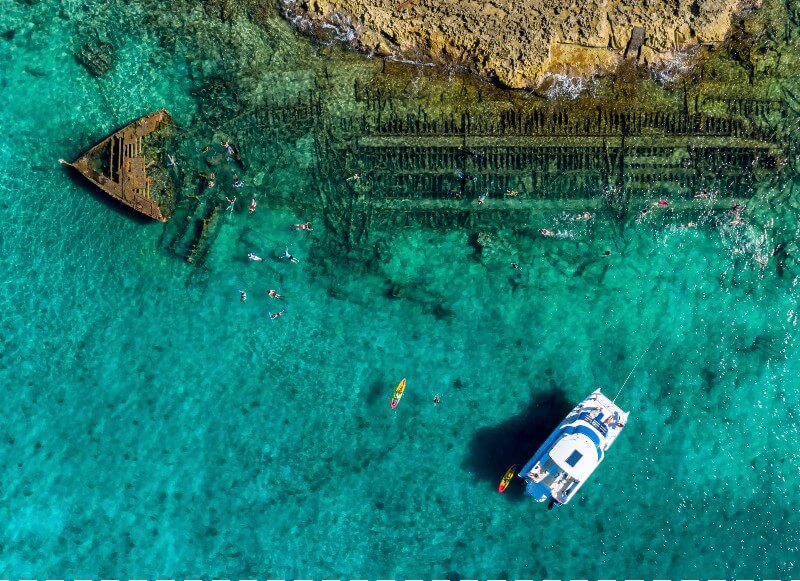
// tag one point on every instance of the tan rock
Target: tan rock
(518, 41)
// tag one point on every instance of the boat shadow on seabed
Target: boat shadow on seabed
(494, 449)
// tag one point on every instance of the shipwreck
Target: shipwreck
(129, 165)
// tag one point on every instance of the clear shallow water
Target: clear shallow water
(155, 426)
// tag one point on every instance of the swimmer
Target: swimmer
(606, 253)
(172, 162)
(515, 265)
(585, 216)
(211, 177)
(465, 177)
(231, 202)
(662, 203)
(737, 208)
(288, 256)
(253, 206)
(436, 399)
(354, 178)
(689, 225)
(643, 213)
(274, 294)
(229, 149)
(277, 315)
(237, 183)
(304, 226)
(253, 257)
(512, 193)
(545, 232)
(736, 222)
(482, 198)
(243, 296)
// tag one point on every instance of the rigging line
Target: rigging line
(624, 383)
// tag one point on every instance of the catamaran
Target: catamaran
(574, 450)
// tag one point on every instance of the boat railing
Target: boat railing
(591, 419)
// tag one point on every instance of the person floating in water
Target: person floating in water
(172, 162)
(243, 296)
(274, 294)
(288, 256)
(253, 257)
(482, 198)
(354, 178)
(237, 183)
(465, 151)
(252, 205)
(662, 203)
(229, 149)
(515, 265)
(512, 194)
(304, 226)
(546, 232)
(586, 216)
(231, 202)
(211, 179)
(277, 315)
(465, 177)
(606, 253)
(436, 399)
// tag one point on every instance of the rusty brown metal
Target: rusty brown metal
(118, 165)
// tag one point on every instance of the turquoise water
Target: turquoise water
(155, 426)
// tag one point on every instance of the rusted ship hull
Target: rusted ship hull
(122, 165)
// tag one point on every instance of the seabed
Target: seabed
(155, 426)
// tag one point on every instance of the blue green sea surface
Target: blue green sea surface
(155, 426)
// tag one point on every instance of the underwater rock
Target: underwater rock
(9, 34)
(517, 42)
(97, 57)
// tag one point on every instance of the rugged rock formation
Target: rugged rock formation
(516, 42)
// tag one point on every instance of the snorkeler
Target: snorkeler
(277, 315)
(482, 198)
(229, 149)
(231, 202)
(172, 162)
(436, 399)
(243, 296)
(288, 256)
(515, 265)
(511, 194)
(274, 294)
(253, 257)
(237, 183)
(354, 178)
(546, 232)
(304, 226)
(211, 177)
(253, 206)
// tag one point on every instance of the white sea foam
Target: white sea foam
(669, 70)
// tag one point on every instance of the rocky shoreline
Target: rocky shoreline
(518, 43)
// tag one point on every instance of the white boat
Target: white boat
(574, 450)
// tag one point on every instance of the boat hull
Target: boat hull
(125, 169)
(574, 450)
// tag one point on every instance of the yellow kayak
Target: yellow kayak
(507, 479)
(398, 393)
